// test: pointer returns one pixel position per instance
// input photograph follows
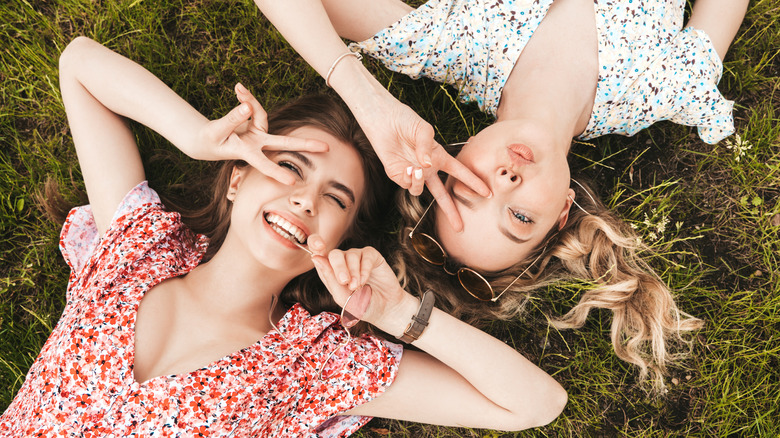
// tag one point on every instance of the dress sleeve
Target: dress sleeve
(680, 85)
(79, 236)
(367, 368)
(142, 242)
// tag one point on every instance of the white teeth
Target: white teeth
(285, 228)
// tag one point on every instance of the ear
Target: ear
(566, 207)
(236, 178)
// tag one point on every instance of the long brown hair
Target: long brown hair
(596, 248)
(213, 218)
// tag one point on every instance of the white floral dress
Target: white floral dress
(82, 384)
(650, 69)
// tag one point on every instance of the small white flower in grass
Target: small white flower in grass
(653, 225)
(739, 146)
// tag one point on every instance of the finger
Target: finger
(406, 178)
(259, 116)
(458, 170)
(353, 258)
(325, 272)
(338, 263)
(444, 201)
(259, 161)
(367, 265)
(288, 143)
(417, 182)
(424, 144)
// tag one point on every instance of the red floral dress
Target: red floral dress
(82, 384)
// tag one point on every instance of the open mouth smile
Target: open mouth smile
(286, 229)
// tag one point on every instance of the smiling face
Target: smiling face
(530, 186)
(325, 198)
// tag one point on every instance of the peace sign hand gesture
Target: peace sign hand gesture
(242, 134)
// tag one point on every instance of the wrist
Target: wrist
(359, 89)
(396, 319)
(419, 322)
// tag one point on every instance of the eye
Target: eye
(292, 167)
(338, 201)
(521, 217)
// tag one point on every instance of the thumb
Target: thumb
(223, 127)
(316, 244)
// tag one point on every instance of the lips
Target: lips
(520, 154)
(285, 228)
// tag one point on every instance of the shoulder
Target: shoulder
(141, 226)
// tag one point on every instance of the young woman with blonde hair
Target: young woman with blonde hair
(548, 71)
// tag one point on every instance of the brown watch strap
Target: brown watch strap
(420, 320)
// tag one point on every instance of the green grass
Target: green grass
(719, 250)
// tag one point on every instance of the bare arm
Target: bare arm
(465, 377)
(100, 88)
(403, 141)
(720, 19)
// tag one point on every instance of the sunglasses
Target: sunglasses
(472, 281)
(347, 320)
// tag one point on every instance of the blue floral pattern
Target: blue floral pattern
(650, 69)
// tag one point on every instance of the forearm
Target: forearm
(507, 391)
(306, 26)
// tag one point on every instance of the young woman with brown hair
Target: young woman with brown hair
(155, 340)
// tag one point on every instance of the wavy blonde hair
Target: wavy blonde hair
(596, 248)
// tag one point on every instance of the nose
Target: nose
(304, 201)
(506, 178)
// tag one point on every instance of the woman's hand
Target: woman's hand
(242, 134)
(345, 272)
(405, 145)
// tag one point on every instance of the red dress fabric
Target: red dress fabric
(82, 384)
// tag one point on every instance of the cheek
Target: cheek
(335, 230)
(480, 246)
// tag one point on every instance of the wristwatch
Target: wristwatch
(420, 320)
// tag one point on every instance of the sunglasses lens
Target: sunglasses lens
(475, 284)
(428, 248)
(356, 307)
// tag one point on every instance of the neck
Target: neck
(563, 109)
(236, 286)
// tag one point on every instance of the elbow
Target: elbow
(543, 409)
(552, 406)
(70, 57)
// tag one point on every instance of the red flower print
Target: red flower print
(249, 389)
(82, 400)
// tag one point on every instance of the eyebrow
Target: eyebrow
(466, 203)
(312, 166)
(511, 236)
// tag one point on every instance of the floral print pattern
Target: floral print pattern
(649, 69)
(82, 384)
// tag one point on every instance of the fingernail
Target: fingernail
(243, 109)
(343, 278)
(241, 87)
(427, 160)
(353, 284)
(409, 170)
(418, 173)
